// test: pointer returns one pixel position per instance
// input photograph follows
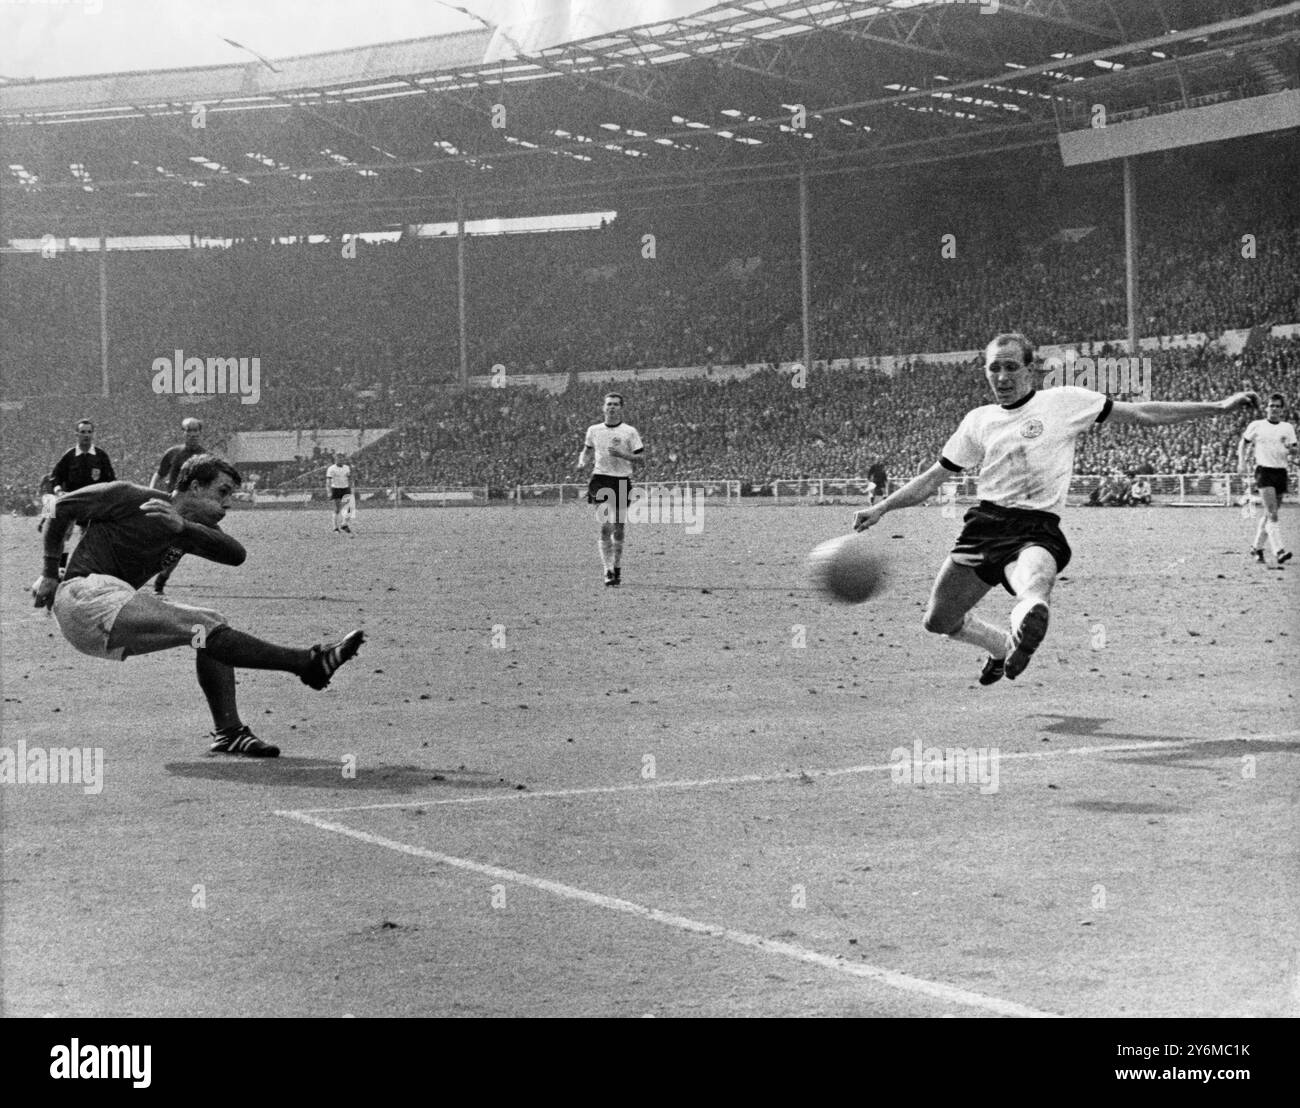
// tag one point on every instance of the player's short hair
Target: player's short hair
(203, 469)
(84, 423)
(616, 395)
(191, 423)
(1279, 398)
(1005, 339)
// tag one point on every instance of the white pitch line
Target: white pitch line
(773, 778)
(935, 990)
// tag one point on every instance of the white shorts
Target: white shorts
(87, 607)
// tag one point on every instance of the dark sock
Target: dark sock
(242, 651)
(217, 680)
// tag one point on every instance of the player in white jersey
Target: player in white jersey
(1024, 445)
(615, 447)
(338, 483)
(1273, 439)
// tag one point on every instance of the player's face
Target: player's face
(207, 503)
(1274, 411)
(85, 436)
(192, 435)
(1008, 376)
(613, 410)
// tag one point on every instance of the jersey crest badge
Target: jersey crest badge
(1031, 428)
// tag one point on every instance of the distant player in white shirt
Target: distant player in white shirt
(338, 483)
(615, 447)
(1273, 439)
(1024, 445)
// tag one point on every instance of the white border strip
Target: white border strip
(934, 990)
(765, 779)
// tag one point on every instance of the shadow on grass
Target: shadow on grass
(324, 773)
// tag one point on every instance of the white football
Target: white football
(848, 568)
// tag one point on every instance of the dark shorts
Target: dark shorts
(339, 494)
(993, 536)
(611, 494)
(1266, 477)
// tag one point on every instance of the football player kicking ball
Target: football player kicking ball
(1273, 439)
(1024, 445)
(102, 609)
(615, 446)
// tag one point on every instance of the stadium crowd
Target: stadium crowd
(371, 340)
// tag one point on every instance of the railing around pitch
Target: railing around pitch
(392, 496)
(1167, 489)
(715, 492)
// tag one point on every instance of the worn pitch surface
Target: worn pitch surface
(532, 795)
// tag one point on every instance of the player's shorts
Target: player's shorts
(339, 494)
(1268, 477)
(992, 537)
(613, 494)
(87, 607)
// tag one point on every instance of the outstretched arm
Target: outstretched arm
(1157, 413)
(917, 491)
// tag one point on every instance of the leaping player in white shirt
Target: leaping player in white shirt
(615, 447)
(1025, 446)
(1273, 439)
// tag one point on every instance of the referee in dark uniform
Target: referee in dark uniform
(84, 464)
(81, 465)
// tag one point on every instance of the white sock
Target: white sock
(1274, 531)
(1258, 544)
(606, 552)
(978, 632)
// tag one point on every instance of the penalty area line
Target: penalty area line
(919, 986)
(776, 778)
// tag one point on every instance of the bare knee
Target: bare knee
(942, 623)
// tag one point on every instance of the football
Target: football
(848, 568)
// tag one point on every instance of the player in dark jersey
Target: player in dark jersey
(131, 533)
(169, 470)
(879, 479)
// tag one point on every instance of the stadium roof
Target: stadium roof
(732, 94)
